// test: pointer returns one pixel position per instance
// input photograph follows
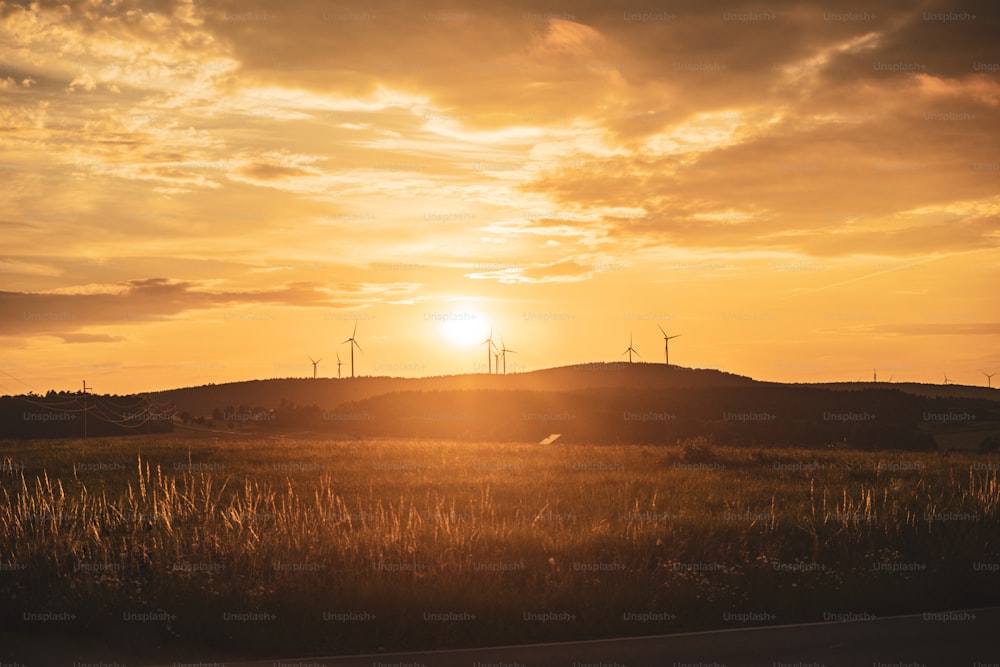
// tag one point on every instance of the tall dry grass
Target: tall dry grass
(401, 530)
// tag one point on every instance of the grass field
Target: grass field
(270, 547)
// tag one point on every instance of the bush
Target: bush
(697, 450)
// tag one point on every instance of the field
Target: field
(276, 547)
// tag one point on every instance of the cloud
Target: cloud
(567, 37)
(726, 122)
(269, 172)
(84, 81)
(90, 338)
(928, 329)
(65, 312)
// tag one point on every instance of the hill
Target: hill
(601, 402)
(328, 393)
(616, 402)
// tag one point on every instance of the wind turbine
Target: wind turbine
(489, 351)
(315, 362)
(946, 380)
(666, 344)
(354, 343)
(989, 378)
(339, 364)
(496, 364)
(630, 349)
(503, 353)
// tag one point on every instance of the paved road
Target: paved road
(969, 638)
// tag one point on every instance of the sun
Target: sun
(465, 328)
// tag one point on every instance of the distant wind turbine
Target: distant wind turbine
(490, 345)
(666, 344)
(630, 350)
(946, 380)
(989, 378)
(503, 353)
(354, 343)
(315, 362)
(339, 364)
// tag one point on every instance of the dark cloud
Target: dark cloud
(268, 172)
(90, 338)
(143, 301)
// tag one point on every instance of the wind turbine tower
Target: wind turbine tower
(503, 353)
(339, 364)
(315, 362)
(490, 345)
(354, 343)
(989, 378)
(630, 349)
(666, 344)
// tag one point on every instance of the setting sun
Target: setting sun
(464, 328)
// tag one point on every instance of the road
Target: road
(969, 638)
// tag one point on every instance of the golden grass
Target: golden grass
(401, 529)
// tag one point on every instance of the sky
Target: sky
(211, 191)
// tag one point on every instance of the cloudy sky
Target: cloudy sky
(204, 191)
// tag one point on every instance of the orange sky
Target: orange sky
(204, 191)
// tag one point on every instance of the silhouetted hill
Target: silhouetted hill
(328, 393)
(920, 389)
(613, 402)
(761, 414)
(602, 402)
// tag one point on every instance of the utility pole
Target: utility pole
(85, 409)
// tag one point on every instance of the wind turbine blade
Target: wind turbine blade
(355, 329)
(661, 330)
(358, 344)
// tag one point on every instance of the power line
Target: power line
(19, 380)
(47, 406)
(85, 409)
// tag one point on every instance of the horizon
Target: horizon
(583, 366)
(217, 192)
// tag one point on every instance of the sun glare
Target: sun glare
(465, 328)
